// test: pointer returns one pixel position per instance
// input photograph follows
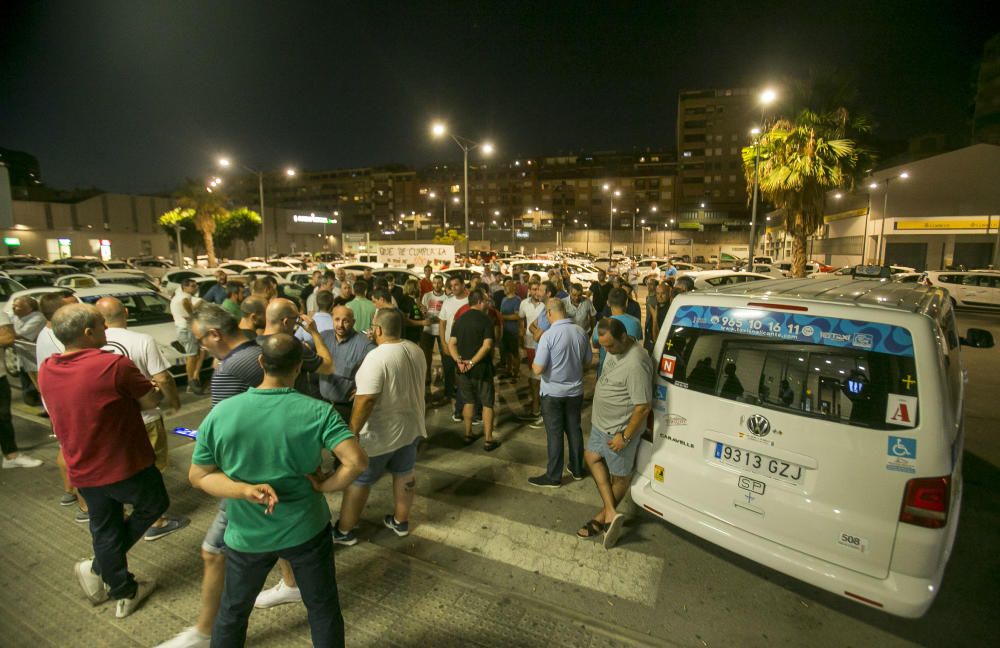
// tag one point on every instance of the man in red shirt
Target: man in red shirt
(95, 401)
(427, 282)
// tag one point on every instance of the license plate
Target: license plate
(758, 464)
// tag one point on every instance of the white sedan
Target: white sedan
(711, 279)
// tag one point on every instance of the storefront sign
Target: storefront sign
(945, 224)
(12, 241)
(313, 218)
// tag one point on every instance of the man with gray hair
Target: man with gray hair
(107, 450)
(143, 351)
(562, 354)
(12, 457)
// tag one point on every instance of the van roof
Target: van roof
(876, 293)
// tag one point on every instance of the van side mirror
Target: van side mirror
(978, 339)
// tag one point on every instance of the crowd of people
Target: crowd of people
(348, 370)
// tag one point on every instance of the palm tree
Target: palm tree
(800, 161)
(208, 206)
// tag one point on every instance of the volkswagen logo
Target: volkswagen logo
(758, 425)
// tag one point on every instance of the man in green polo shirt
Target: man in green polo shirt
(261, 450)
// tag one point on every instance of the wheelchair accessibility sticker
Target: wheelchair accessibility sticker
(902, 454)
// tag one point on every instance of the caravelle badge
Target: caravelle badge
(758, 425)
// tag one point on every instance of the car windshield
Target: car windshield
(143, 308)
(848, 371)
(35, 280)
(8, 287)
(142, 282)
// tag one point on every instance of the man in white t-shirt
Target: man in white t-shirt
(388, 418)
(142, 350)
(459, 297)
(531, 309)
(432, 302)
(46, 345)
(183, 303)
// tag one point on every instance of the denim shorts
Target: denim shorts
(398, 462)
(620, 464)
(188, 341)
(215, 541)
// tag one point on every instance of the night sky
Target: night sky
(134, 96)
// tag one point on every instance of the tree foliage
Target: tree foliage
(241, 224)
(450, 237)
(190, 236)
(803, 157)
(209, 208)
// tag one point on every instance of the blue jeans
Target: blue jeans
(562, 417)
(312, 564)
(112, 534)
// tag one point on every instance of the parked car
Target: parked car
(31, 278)
(708, 279)
(173, 278)
(972, 289)
(58, 269)
(155, 268)
(132, 278)
(785, 428)
(8, 287)
(86, 264)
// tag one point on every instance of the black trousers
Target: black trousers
(112, 534)
(7, 443)
(312, 564)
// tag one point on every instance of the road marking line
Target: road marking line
(558, 555)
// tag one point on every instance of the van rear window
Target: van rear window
(854, 372)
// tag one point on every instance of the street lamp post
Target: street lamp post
(880, 257)
(439, 129)
(611, 225)
(766, 98)
(225, 163)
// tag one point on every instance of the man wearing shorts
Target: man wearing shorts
(530, 309)
(622, 401)
(388, 418)
(181, 306)
(471, 344)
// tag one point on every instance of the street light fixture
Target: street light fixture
(766, 98)
(226, 163)
(440, 129)
(611, 218)
(880, 256)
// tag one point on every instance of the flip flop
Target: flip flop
(469, 440)
(614, 530)
(490, 446)
(593, 529)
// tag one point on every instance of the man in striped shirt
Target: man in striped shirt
(239, 369)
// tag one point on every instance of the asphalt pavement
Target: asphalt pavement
(493, 561)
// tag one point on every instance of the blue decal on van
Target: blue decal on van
(827, 331)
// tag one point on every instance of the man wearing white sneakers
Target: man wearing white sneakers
(388, 418)
(107, 450)
(12, 458)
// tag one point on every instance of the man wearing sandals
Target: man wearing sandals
(471, 343)
(388, 419)
(621, 403)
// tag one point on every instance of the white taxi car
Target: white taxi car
(815, 428)
(972, 289)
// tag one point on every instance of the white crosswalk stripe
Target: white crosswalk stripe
(561, 556)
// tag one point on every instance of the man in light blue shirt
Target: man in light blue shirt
(562, 355)
(617, 302)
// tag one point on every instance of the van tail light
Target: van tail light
(926, 501)
(647, 434)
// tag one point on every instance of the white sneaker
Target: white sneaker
(188, 638)
(22, 460)
(278, 595)
(93, 586)
(126, 607)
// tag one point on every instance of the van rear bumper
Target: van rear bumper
(897, 594)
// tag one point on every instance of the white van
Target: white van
(816, 428)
